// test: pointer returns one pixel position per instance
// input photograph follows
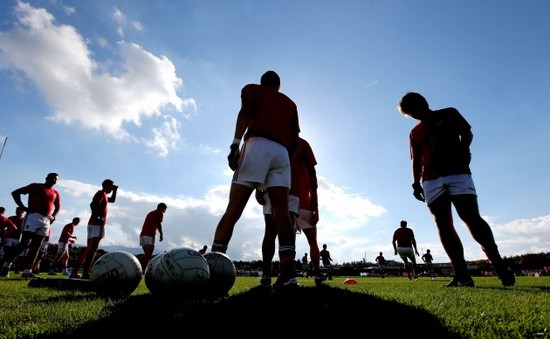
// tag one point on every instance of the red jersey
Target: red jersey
(302, 160)
(67, 233)
(42, 199)
(6, 226)
(273, 115)
(99, 209)
(438, 141)
(404, 237)
(18, 222)
(152, 222)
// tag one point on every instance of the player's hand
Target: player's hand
(314, 217)
(466, 155)
(260, 198)
(233, 157)
(418, 191)
(161, 238)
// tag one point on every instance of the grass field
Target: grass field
(390, 307)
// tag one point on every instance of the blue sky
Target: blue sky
(147, 92)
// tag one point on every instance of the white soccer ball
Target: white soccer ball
(222, 274)
(116, 274)
(181, 271)
(149, 277)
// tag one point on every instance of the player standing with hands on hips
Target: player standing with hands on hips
(268, 123)
(43, 205)
(440, 152)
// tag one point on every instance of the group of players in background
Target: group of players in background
(279, 165)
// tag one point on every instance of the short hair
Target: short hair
(107, 182)
(2, 210)
(76, 220)
(161, 205)
(271, 79)
(403, 223)
(52, 175)
(412, 102)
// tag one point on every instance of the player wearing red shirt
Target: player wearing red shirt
(304, 191)
(268, 121)
(6, 227)
(43, 205)
(404, 244)
(66, 238)
(96, 227)
(440, 153)
(152, 223)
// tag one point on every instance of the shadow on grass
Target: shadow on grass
(308, 311)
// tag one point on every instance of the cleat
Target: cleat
(265, 281)
(468, 282)
(289, 284)
(65, 272)
(52, 272)
(75, 276)
(507, 278)
(30, 275)
(318, 280)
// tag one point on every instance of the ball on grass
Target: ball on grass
(116, 274)
(222, 274)
(150, 280)
(181, 272)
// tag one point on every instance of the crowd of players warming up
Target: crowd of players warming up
(278, 166)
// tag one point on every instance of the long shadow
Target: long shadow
(256, 313)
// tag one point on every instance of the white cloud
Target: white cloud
(57, 59)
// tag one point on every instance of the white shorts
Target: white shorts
(453, 184)
(146, 240)
(293, 204)
(96, 231)
(62, 247)
(406, 252)
(37, 223)
(263, 163)
(304, 220)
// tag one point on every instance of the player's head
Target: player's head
(76, 220)
(412, 103)
(403, 223)
(162, 206)
(271, 79)
(51, 178)
(428, 251)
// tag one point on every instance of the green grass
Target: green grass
(395, 306)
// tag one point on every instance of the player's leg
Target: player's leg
(442, 213)
(278, 196)
(468, 210)
(268, 249)
(238, 198)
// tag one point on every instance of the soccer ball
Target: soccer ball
(181, 271)
(149, 277)
(222, 274)
(116, 274)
